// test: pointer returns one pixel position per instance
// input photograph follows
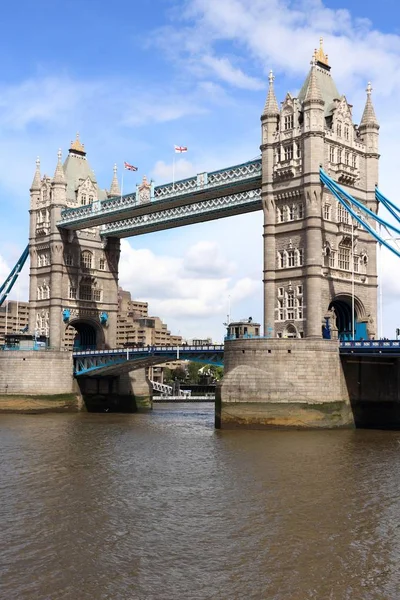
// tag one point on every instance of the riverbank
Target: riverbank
(36, 403)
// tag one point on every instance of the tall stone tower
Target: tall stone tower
(319, 267)
(73, 294)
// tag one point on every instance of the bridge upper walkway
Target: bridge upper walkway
(207, 196)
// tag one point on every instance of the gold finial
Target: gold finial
(319, 55)
(77, 144)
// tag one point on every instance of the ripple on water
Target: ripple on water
(162, 506)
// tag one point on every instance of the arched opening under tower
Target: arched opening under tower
(339, 323)
(88, 334)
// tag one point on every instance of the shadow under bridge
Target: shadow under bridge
(122, 360)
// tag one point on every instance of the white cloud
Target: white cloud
(205, 259)
(181, 290)
(230, 74)
(164, 172)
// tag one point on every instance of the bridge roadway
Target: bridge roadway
(117, 361)
(110, 362)
(207, 196)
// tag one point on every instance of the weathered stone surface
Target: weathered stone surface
(283, 383)
(43, 372)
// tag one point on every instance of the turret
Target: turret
(59, 184)
(36, 184)
(269, 125)
(114, 188)
(369, 126)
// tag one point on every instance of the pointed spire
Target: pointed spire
(271, 106)
(114, 189)
(59, 176)
(313, 91)
(369, 117)
(36, 178)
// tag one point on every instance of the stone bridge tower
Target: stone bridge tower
(73, 294)
(315, 259)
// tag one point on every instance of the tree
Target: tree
(168, 377)
(193, 372)
(179, 373)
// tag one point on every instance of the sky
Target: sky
(136, 78)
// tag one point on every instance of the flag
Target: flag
(180, 149)
(130, 167)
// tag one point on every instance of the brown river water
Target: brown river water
(163, 507)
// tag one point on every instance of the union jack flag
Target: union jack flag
(180, 149)
(130, 167)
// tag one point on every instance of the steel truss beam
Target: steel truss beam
(113, 362)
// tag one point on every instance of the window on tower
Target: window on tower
(288, 122)
(300, 257)
(339, 129)
(300, 211)
(327, 212)
(291, 258)
(332, 154)
(346, 132)
(343, 215)
(86, 259)
(344, 258)
(288, 152)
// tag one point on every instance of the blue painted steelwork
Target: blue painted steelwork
(100, 362)
(362, 347)
(204, 186)
(346, 200)
(7, 286)
(183, 215)
(390, 206)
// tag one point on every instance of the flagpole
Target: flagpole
(122, 181)
(173, 172)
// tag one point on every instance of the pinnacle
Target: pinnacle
(369, 117)
(313, 91)
(114, 189)
(59, 176)
(271, 105)
(36, 178)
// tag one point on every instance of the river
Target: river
(163, 507)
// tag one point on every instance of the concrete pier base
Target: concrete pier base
(271, 383)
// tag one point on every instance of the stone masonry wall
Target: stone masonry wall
(36, 372)
(283, 382)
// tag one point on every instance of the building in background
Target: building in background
(136, 328)
(13, 318)
(246, 328)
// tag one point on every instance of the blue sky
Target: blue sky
(136, 78)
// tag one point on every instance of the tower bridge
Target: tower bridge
(320, 267)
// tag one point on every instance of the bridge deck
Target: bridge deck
(205, 197)
(109, 362)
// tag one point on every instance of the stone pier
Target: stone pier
(295, 383)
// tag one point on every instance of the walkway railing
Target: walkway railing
(199, 183)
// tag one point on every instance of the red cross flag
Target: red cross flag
(180, 149)
(129, 167)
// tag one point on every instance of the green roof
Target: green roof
(77, 170)
(327, 88)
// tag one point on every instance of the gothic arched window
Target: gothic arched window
(86, 259)
(288, 121)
